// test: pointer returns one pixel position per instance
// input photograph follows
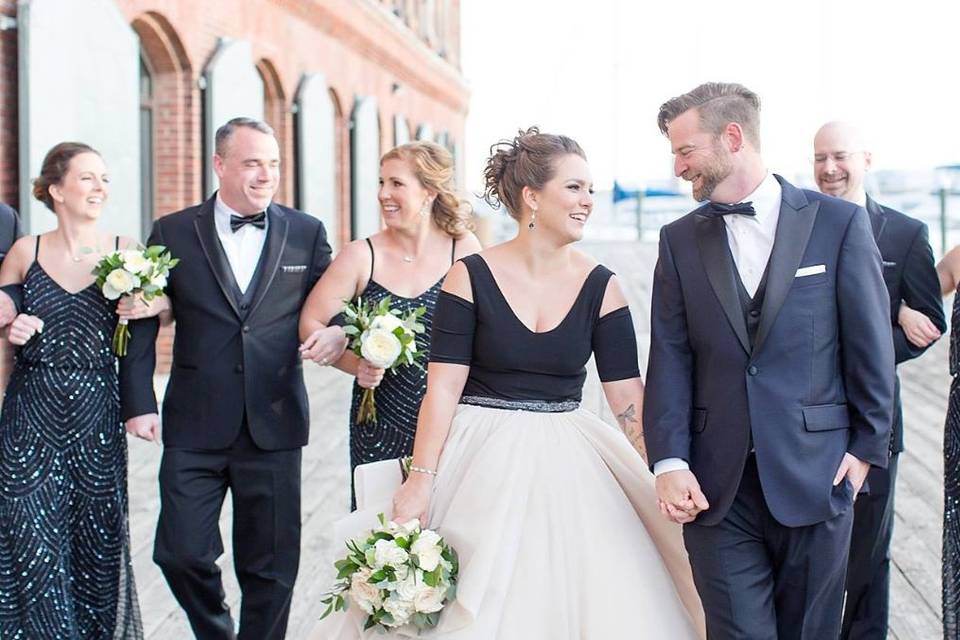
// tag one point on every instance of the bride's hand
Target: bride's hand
(412, 499)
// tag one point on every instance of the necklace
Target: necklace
(408, 258)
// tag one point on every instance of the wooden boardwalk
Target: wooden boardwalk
(916, 546)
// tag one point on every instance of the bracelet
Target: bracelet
(429, 472)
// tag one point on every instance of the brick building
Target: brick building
(147, 81)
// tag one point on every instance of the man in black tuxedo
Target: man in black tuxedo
(770, 381)
(235, 412)
(841, 161)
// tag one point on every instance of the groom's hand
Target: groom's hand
(680, 497)
(854, 469)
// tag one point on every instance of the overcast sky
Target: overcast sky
(598, 70)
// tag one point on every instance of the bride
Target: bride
(552, 511)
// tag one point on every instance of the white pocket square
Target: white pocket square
(811, 270)
(294, 268)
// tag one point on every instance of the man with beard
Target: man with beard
(841, 160)
(770, 380)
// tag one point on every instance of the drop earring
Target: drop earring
(533, 220)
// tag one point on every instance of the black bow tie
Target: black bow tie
(258, 220)
(718, 210)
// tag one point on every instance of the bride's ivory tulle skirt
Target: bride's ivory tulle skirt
(554, 518)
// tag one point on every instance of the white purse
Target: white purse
(375, 482)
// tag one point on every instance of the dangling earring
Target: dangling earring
(425, 208)
(533, 220)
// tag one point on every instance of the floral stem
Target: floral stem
(367, 411)
(121, 337)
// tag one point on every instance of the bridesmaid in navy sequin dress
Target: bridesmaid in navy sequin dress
(426, 231)
(65, 570)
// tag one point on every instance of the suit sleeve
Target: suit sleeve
(321, 257)
(669, 391)
(866, 345)
(14, 291)
(920, 290)
(136, 368)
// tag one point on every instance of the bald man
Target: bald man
(841, 161)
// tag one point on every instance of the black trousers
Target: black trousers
(761, 580)
(867, 612)
(265, 490)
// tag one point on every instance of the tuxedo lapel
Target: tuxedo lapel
(276, 242)
(797, 216)
(877, 220)
(206, 228)
(718, 264)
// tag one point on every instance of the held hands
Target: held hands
(145, 427)
(918, 328)
(324, 346)
(136, 308)
(679, 496)
(854, 469)
(369, 376)
(412, 499)
(23, 328)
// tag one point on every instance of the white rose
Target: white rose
(400, 609)
(134, 262)
(408, 588)
(387, 553)
(119, 282)
(159, 280)
(387, 321)
(429, 600)
(362, 592)
(380, 348)
(427, 549)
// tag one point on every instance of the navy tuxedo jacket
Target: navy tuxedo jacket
(818, 381)
(232, 356)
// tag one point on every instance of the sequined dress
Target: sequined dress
(951, 487)
(65, 570)
(400, 392)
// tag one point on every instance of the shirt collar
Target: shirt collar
(222, 213)
(766, 197)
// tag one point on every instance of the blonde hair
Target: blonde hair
(432, 164)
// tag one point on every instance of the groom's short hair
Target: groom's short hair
(718, 104)
(225, 132)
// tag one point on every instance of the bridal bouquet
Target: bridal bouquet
(399, 574)
(140, 272)
(379, 335)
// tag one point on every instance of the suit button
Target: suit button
(238, 368)
(246, 328)
(244, 306)
(754, 313)
(753, 370)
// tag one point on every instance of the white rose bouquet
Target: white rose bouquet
(399, 575)
(379, 335)
(140, 272)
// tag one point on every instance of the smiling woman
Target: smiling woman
(427, 227)
(62, 412)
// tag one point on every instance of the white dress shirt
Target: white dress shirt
(242, 247)
(751, 242)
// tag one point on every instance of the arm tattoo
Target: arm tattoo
(632, 428)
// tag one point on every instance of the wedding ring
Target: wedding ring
(323, 361)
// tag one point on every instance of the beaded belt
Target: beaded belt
(538, 406)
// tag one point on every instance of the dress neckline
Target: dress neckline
(60, 286)
(566, 317)
(397, 295)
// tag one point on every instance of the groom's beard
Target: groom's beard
(717, 168)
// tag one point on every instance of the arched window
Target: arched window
(146, 148)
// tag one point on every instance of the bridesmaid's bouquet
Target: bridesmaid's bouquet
(399, 575)
(133, 272)
(383, 337)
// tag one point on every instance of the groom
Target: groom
(770, 380)
(235, 412)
